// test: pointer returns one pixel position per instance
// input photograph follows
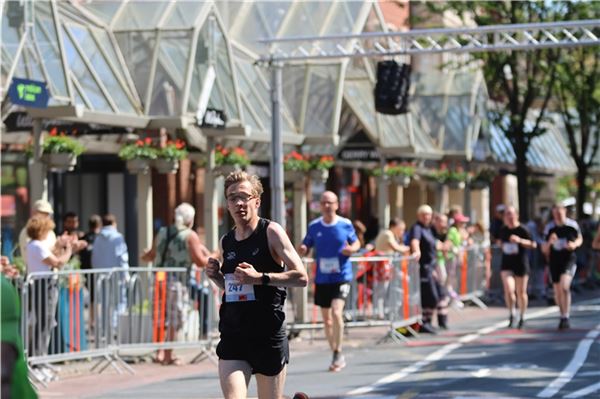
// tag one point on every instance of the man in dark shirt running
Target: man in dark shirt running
(258, 262)
(563, 237)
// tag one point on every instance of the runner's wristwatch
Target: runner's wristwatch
(265, 279)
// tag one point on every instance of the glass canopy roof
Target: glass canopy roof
(126, 58)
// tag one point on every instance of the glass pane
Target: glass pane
(359, 95)
(103, 9)
(224, 74)
(294, 78)
(322, 100)
(458, 123)
(200, 67)
(308, 20)
(263, 21)
(141, 15)
(93, 54)
(183, 14)
(46, 39)
(170, 73)
(84, 77)
(12, 32)
(111, 51)
(137, 49)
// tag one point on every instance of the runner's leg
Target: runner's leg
(271, 387)
(337, 311)
(234, 376)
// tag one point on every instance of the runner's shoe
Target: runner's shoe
(564, 324)
(338, 362)
(521, 323)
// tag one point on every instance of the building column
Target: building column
(383, 203)
(211, 201)
(300, 295)
(145, 211)
(38, 177)
(442, 198)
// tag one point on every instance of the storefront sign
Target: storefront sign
(359, 154)
(214, 118)
(28, 93)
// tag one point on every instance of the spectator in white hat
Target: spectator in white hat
(40, 208)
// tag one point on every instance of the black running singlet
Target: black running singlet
(254, 311)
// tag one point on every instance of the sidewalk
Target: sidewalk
(76, 381)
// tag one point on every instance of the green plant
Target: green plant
(445, 175)
(141, 149)
(57, 143)
(402, 169)
(231, 156)
(486, 175)
(294, 161)
(173, 150)
(321, 162)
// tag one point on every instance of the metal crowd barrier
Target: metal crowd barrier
(110, 313)
(470, 277)
(385, 291)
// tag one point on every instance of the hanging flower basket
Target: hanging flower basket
(292, 176)
(166, 166)
(226, 169)
(479, 184)
(60, 162)
(456, 184)
(135, 166)
(401, 180)
(319, 175)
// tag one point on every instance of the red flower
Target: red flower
(148, 140)
(53, 131)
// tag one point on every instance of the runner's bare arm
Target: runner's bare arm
(198, 252)
(213, 269)
(282, 250)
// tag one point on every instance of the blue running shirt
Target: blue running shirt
(328, 241)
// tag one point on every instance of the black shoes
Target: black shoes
(564, 324)
(511, 320)
(521, 322)
(427, 329)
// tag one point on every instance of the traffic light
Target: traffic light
(391, 89)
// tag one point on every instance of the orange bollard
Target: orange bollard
(162, 278)
(463, 274)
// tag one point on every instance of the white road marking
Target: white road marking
(441, 353)
(481, 373)
(584, 391)
(574, 365)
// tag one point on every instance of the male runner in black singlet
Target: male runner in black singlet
(258, 262)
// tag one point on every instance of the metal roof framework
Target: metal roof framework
(291, 50)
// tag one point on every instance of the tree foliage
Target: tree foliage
(521, 82)
(578, 93)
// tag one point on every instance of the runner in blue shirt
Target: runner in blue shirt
(334, 240)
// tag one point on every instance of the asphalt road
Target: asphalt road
(478, 357)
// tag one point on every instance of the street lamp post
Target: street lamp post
(277, 195)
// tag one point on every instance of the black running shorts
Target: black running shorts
(265, 356)
(558, 270)
(325, 293)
